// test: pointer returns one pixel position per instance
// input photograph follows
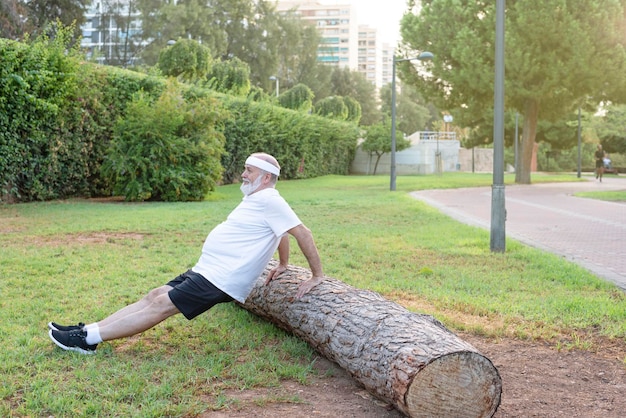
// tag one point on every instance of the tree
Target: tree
(412, 115)
(249, 30)
(557, 54)
(317, 78)
(299, 97)
(332, 107)
(297, 61)
(354, 109)
(186, 59)
(232, 76)
(163, 21)
(349, 83)
(71, 13)
(611, 129)
(12, 22)
(378, 140)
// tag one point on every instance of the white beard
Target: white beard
(248, 188)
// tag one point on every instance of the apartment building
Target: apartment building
(345, 43)
(109, 33)
(337, 26)
(369, 55)
(386, 63)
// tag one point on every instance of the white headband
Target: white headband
(263, 165)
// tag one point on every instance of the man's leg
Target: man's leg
(152, 309)
(133, 319)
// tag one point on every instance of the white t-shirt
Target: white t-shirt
(237, 250)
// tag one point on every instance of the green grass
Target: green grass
(612, 196)
(81, 260)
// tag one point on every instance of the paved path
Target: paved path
(589, 232)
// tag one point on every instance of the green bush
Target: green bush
(102, 99)
(231, 77)
(187, 59)
(305, 145)
(36, 81)
(354, 109)
(58, 118)
(166, 149)
(299, 97)
(332, 107)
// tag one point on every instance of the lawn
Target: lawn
(79, 260)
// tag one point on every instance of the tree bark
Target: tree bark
(406, 359)
(527, 145)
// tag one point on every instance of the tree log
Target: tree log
(406, 359)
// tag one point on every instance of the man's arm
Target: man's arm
(304, 237)
(283, 259)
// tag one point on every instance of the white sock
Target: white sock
(93, 334)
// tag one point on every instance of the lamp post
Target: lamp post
(498, 210)
(274, 78)
(579, 142)
(421, 57)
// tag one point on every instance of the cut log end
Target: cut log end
(475, 382)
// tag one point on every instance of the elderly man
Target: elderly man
(234, 254)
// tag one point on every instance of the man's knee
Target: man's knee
(152, 296)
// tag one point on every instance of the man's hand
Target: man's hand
(307, 285)
(274, 273)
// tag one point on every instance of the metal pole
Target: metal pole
(423, 56)
(392, 181)
(498, 211)
(579, 141)
(516, 141)
(473, 167)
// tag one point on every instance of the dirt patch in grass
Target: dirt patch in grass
(91, 238)
(538, 381)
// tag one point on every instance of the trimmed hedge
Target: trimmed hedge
(305, 145)
(58, 118)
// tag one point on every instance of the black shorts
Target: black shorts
(599, 163)
(192, 294)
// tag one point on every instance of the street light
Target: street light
(274, 78)
(579, 142)
(421, 57)
(498, 210)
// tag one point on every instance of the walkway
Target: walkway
(589, 232)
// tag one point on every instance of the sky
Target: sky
(383, 15)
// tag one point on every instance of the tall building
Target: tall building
(345, 43)
(110, 32)
(369, 55)
(386, 63)
(337, 26)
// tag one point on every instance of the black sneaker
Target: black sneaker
(73, 340)
(58, 327)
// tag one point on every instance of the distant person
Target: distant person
(599, 155)
(234, 255)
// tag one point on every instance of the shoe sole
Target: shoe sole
(67, 348)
